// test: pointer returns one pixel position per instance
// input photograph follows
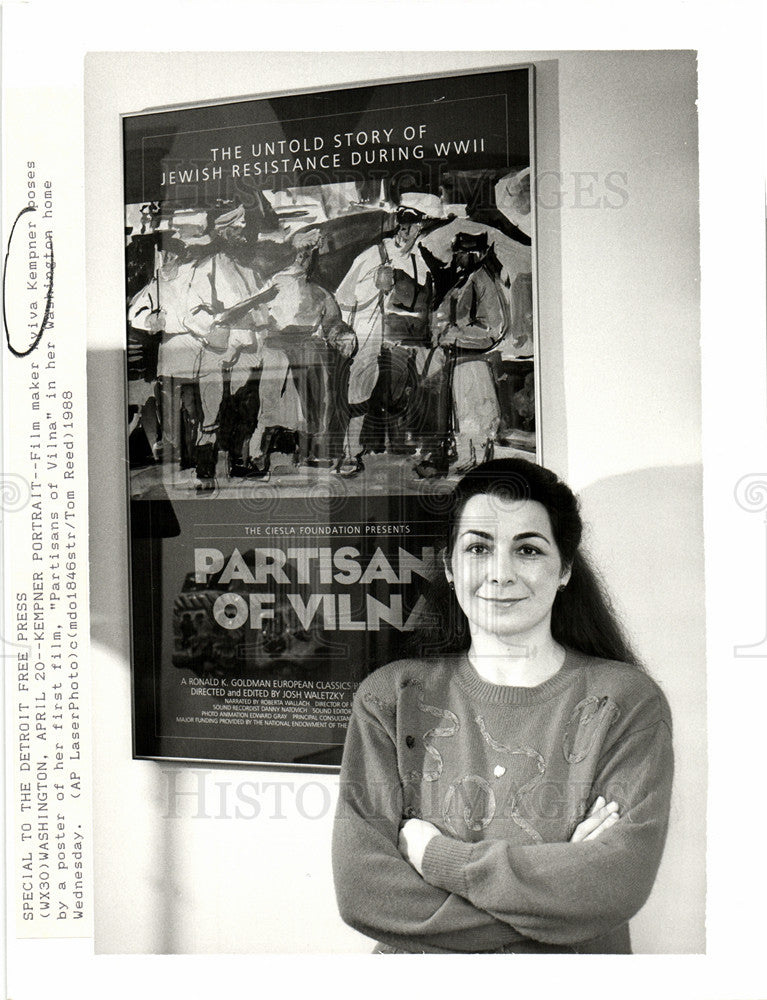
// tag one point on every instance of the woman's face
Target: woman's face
(506, 567)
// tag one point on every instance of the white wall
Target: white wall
(618, 302)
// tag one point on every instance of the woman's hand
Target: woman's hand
(414, 835)
(599, 818)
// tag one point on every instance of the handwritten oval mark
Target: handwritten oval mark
(48, 295)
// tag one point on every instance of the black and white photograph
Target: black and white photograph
(383, 504)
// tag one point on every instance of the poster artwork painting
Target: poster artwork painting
(329, 317)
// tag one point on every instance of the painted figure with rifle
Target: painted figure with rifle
(386, 298)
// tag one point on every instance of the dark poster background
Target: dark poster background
(278, 687)
(487, 108)
(256, 658)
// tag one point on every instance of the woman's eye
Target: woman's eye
(529, 550)
(477, 548)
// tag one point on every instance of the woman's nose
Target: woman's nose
(503, 569)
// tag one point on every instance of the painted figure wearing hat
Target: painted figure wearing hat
(222, 280)
(161, 308)
(386, 299)
(195, 302)
(301, 337)
(471, 317)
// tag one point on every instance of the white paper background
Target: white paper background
(46, 46)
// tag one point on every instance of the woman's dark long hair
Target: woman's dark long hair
(582, 617)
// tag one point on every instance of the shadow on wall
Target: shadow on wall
(108, 507)
(142, 919)
(645, 533)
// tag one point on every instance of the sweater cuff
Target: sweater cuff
(444, 864)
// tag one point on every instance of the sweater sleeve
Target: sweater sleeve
(564, 893)
(379, 893)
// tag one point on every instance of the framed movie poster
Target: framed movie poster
(330, 315)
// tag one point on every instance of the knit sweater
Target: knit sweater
(506, 774)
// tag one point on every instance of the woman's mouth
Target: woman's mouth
(503, 600)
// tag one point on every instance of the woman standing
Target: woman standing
(511, 795)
